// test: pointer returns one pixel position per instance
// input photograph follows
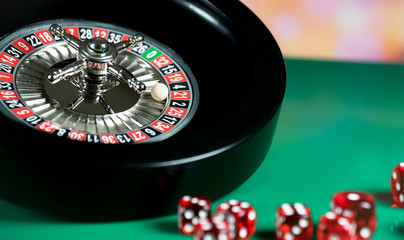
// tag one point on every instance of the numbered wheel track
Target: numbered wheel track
(35, 93)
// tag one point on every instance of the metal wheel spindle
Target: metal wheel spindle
(94, 65)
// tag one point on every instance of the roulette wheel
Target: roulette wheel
(114, 111)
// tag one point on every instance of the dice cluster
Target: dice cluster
(352, 217)
(232, 219)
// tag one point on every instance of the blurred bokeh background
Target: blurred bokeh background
(347, 30)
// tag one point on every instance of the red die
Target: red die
(397, 184)
(362, 206)
(334, 226)
(241, 217)
(293, 222)
(213, 229)
(190, 210)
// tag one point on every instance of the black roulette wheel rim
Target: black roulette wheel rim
(223, 144)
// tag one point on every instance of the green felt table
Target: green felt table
(341, 128)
